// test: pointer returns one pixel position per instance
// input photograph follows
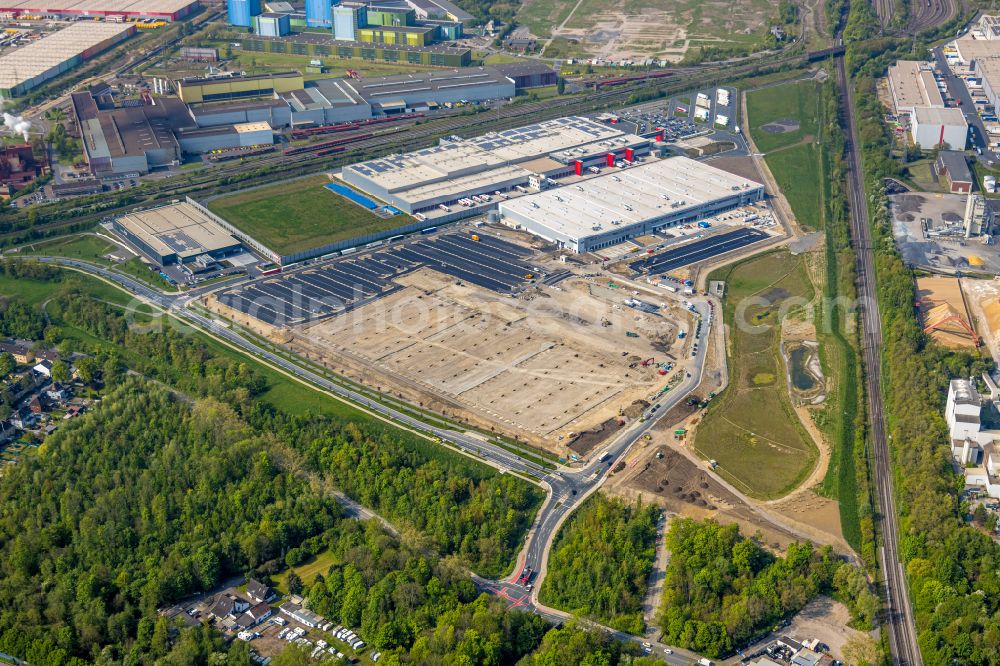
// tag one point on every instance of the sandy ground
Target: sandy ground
(984, 301)
(935, 291)
(822, 618)
(621, 30)
(542, 366)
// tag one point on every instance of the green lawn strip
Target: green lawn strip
(86, 247)
(297, 215)
(751, 430)
(797, 101)
(797, 172)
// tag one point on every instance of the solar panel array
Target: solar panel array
(692, 253)
(334, 287)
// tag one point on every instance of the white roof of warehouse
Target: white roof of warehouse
(913, 86)
(628, 196)
(178, 228)
(935, 116)
(133, 6)
(49, 52)
(457, 158)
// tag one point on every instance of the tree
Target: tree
(560, 85)
(294, 583)
(7, 364)
(60, 372)
(86, 369)
(862, 650)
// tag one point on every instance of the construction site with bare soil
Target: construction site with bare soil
(561, 360)
(544, 367)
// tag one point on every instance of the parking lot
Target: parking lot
(317, 291)
(699, 250)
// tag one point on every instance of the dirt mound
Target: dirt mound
(636, 409)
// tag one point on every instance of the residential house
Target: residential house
(73, 410)
(23, 420)
(254, 616)
(258, 591)
(974, 428)
(57, 393)
(228, 605)
(20, 350)
(44, 368)
(35, 406)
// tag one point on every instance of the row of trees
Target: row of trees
(951, 566)
(600, 562)
(723, 590)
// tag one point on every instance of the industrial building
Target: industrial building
(31, 66)
(324, 45)
(319, 13)
(18, 168)
(528, 74)
(177, 234)
(612, 208)
(912, 84)
(271, 24)
(952, 165)
(931, 127)
(138, 139)
(288, 101)
(164, 10)
(228, 88)
(451, 173)
(242, 12)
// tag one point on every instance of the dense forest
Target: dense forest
(601, 560)
(723, 590)
(463, 507)
(951, 566)
(141, 502)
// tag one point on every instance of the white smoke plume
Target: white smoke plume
(15, 124)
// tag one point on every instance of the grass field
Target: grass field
(797, 170)
(307, 571)
(751, 429)
(85, 247)
(797, 101)
(299, 215)
(88, 247)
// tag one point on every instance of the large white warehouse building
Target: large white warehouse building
(612, 208)
(932, 127)
(441, 176)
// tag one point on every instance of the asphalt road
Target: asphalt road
(567, 487)
(958, 91)
(899, 614)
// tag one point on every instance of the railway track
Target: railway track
(926, 14)
(279, 166)
(899, 617)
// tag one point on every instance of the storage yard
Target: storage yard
(32, 65)
(930, 231)
(944, 312)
